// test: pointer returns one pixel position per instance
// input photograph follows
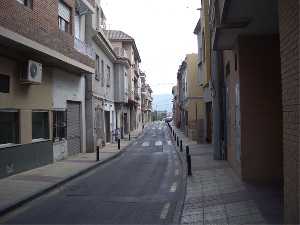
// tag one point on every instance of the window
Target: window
(59, 125)
(77, 27)
(126, 84)
(40, 125)
(97, 18)
(64, 17)
(102, 73)
(9, 127)
(108, 77)
(27, 3)
(97, 72)
(4, 84)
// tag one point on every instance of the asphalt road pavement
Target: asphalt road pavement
(142, 186)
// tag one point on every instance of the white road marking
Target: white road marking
(146, 144)
(173, 187)
(165, 211)
(158, 143)
(176, 172)
(169, 142)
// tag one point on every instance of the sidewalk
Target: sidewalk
(23, 187)
(216, 195)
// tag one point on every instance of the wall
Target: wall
(25, 98)
(69, 87)
(119, 83)
(231, 80)
(261, 109)
(289, 47)
(41, 25)
(99, 90)
(196, 119)
(20, 158)
(194, 98)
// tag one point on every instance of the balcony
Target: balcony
(137, 96)
(120, 52)
(84, 48)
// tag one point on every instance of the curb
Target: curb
(179, 206)
(38, 194)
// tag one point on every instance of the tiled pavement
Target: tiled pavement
(19, 188)
(216, 194)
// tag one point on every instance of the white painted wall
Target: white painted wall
(68, 87)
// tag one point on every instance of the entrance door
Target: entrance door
(73, 128)
(98, 124)
(237, 122)
(209, 121)
(107, 126)
(125, 124)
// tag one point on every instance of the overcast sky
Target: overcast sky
(163, 31)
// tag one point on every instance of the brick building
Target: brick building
(42, 74)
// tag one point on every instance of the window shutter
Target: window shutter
(64, 11)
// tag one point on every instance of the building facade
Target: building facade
(256, 49)
(202, 30)
(100, 88)
(125, 44)
(191, 104)
(146, 101)
(42, 92)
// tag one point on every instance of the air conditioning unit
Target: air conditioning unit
(32, 74)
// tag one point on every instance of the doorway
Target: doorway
(107, 126)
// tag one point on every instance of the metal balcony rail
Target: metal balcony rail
(84, 48)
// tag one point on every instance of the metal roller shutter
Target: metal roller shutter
(73, 128)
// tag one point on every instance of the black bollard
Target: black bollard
(187, 150)
(98, 153)
(181, 146)
(189, 164)
(177, 141)
(119, 143)
(129, 136)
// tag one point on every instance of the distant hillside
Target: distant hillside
(162, 102)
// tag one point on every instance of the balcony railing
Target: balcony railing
(84, 48)
(136, 96)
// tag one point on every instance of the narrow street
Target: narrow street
(142, 186)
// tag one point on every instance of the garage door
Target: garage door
(73, 128)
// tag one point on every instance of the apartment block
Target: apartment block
(42, 94)
(190, 99)
(146, 100)
(258, 44)
(125, 44)
(202, 30)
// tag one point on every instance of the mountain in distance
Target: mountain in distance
(162, 102)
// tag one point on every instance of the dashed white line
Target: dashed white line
(158, 143)
(173, 187)
(146, 144)
(165, 211)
